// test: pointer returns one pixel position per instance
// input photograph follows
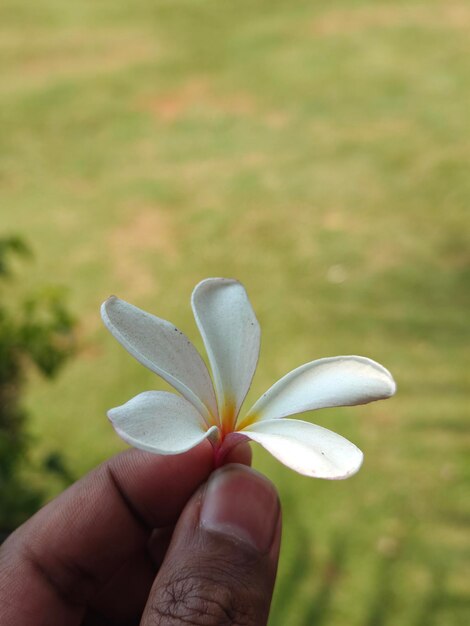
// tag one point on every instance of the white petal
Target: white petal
(231, 335)
(160, 422)
(307, 448)
(336, 381)
(164, 349)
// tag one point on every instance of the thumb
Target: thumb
(221, 565)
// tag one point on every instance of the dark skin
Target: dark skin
(150, 540)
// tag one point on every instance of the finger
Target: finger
(158, 544)
(221, 564)
(121, 597)
(51, 567)
(241, 453)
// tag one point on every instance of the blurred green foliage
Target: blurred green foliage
(34, 329)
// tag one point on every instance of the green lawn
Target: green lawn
(317, 151)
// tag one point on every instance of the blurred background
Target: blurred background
(317, 151)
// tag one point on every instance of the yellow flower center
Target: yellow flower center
(228, 417)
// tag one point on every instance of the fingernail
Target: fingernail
(241, 503)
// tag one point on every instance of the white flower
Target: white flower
(166, 423)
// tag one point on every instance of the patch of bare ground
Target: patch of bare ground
(39, 60)
(450, 15)
(149, 230)
(198, 94)
(87, 347)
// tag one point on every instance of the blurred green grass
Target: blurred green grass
(320, 154)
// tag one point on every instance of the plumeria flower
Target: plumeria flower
(167, 423)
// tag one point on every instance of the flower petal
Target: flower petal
(307, 448)
(164, 349)
(231, 336)
(336, 381)
(160, 422)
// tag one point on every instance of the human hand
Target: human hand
(150, 540)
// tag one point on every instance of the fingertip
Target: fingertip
(243, 504)
(241, 453)
(229, 531)
(144, 478)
